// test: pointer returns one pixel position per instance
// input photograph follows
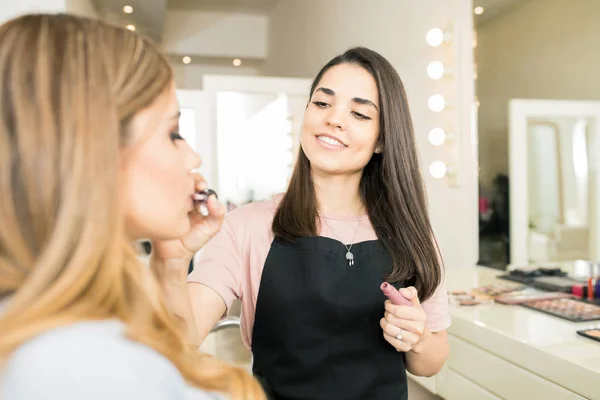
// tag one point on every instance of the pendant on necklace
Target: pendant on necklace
(350, 258)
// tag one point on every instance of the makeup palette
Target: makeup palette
(569, 309)
(593, 334)
(529, 294)
(530, 275)
(481, 294)
(554, 283)
(462, 298)
(495, 289)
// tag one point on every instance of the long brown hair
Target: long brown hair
(391, 186)
(68, 89)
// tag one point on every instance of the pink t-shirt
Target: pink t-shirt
(232, 262)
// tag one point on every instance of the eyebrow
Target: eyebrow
(358, 100)
(176, 115)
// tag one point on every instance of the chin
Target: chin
(172, 231)
(329, 165)
(328, 168)
(183, 228)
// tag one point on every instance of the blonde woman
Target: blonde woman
(90, 161)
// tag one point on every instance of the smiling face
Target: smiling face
(341, 123)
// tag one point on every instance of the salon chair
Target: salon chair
(226, 323)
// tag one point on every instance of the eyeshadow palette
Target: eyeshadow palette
(529, 294)
(554, 283)
(527, 275)
(526, 280)
(569, 309)
(590, 333)
(495, 289)
(462, 298)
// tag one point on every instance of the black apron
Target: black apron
(316, 332)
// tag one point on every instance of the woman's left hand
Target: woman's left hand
(404, 326)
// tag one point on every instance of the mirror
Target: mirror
(554, 184)
(256, 139)
(558, 191)
(521, 53)
(256, 122)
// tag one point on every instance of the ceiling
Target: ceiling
(494, 8)
(149, 15)
(243, 6)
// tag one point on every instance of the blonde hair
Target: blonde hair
(68, 88)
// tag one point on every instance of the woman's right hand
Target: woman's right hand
(203, 228)
(170, 261)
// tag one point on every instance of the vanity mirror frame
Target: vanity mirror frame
(521, 111)
(215, 84)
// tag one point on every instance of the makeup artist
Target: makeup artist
(308, 264)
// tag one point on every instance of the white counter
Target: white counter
(511, 352)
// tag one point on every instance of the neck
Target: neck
(338, 194)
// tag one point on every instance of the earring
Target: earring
(377, 150)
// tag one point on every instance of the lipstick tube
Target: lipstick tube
(394, 295)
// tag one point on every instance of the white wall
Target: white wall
(542, 50)
(214, 34)
(10, 9)
(304, 35)
(84, 8)
(190, 76)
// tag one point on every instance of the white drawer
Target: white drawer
(457, 387)
(499, 376)
(427, 383)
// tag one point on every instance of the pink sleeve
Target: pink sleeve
(436, 307)
(219, 265)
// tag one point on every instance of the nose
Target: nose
(193, 159)
(334, 118)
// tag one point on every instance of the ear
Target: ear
(379, 145)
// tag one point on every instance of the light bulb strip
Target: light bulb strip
(445, 167)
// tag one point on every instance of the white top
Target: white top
(92, 360)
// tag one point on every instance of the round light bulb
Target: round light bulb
(437, 103)
(127, 9)
(479, 10)
(437, 136)
(237, 62)
(435, 37)
(435, 70)
(186, 60)
(437, 169)
(131, 27)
